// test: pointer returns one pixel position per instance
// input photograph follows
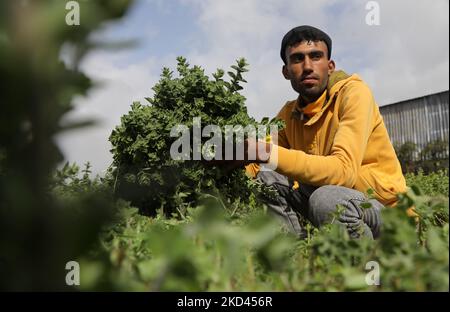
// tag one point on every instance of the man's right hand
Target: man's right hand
(254, 152)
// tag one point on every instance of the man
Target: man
(335, 146)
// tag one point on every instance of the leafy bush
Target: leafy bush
(406, 155)
(145, 172)
(433, 157)
(431, 184)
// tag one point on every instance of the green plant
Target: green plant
(39, 233)
(434, 150)
(212, 250)
(406, 155)
(144, 170)
(431, 184)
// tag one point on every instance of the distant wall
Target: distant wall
(420, 120)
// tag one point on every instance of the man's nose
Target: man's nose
(307, 65)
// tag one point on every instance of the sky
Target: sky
(405, 56)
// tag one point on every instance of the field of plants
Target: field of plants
(214, 248)
(154, 223)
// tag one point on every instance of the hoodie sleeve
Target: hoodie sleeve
(342, 165)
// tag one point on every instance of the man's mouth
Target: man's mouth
(309, 80)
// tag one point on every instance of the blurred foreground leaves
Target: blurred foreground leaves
(39, 234)
(212, 249)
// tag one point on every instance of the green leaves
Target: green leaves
(236, 76)
(143, 140)
(41, 232)
(211, 248)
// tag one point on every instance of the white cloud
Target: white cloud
(118, 88)
(406, 56)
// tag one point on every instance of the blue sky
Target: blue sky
(160, 27)
(406, 56)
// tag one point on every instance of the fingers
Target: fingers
(254, 152)
(257, 151)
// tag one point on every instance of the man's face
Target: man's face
(308, 68)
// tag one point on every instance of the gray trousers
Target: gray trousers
(317, 205)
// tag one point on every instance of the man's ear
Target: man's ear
(286, 73)
(331, 67)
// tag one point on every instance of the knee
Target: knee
(322, 204)
(276, 180)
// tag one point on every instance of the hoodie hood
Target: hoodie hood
(336, 81)
(335, 77)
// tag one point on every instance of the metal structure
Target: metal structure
(420, 120)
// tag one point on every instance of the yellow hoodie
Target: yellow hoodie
(344, 143)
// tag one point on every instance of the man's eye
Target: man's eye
(316, 56)
(298, 58)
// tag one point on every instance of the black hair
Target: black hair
(301, 33)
